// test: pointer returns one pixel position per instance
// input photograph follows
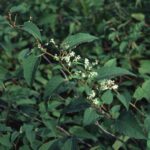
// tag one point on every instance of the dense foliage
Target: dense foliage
(74, 75)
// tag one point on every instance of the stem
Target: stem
(108, 133)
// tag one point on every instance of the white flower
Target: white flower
(91, 95)
(96, 101)
(108, 84)
(83, 75)
(86, 63)
(56, 57)
(66, 58)
(72, 54)
(115, 87)
(92, 74)
(78, 57)
(69, 64)
(52, 41)
(95, 63)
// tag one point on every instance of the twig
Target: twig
(108, 133)
(137, 109)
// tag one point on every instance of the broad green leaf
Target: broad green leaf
(52, 85)
(70, 144)
(30, 65)
(31, 28)
(123, 100)
(90, 116)
(5, 140)
(51, 124)
(3, 73)
(144, 66)
(148, 141)
(110, 72)
(107, 97)
(115, 111)
(47, 145)
(118, 144)
(22, 8)
(24, 147)
(26, 102)
(129, 126)
(147, 123)
(111, 63)
(123, 46)
(138, 16)
(30, 133)
(143, 92)
(76, 105)
(81, 133)
(73, 41)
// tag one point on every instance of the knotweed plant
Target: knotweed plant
(84, 72)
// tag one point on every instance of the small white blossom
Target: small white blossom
(77, 58)
(95, 63)
(108, 84)
(83, 75)
(52, 41)
(47, 44)
(115, 87)
(92, 74)
(66, 58)
(86, 63)
(96, 101)
(56, 57)
(72, 54)
(91, 95)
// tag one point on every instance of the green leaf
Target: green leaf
(144, 66)
(73, 41)
(30, 65)
(30, 134)
(115, 111)
(107, 97)
(90, 116)
(111, 63)
(123, 46)
(109, 72)
(76, 105)
(148, 141)
(52, 85)
(147, 123)
(143, 92)
(22, 8)
(26, 102)
(118, 144)
(123, 100)
(51, 124)
(129, 126)
(3, 73)
(81, 133)
(5, 140)
(31, 28)
(46, 146)
(138, 16)
(70, 144)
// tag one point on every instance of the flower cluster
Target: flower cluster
(70, 58)
(108, 84)
(92, 97)
(53, 42)
(88, 65)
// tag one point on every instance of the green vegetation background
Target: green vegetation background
(29, 121)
